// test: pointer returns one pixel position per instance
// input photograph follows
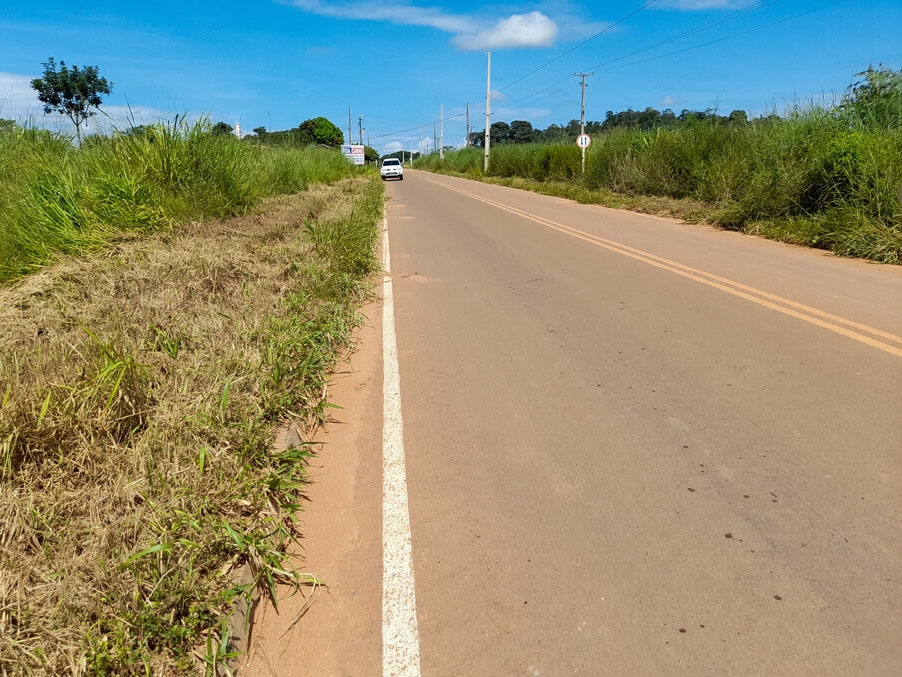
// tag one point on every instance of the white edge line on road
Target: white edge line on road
(400, 636)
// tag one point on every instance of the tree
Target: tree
(500, 132)
(320, 130)
(402, 155)
(521, 132)
(738, 117)
(73, 92)
(876, 98)
(221, 129)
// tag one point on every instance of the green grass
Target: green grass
(55, 198)
(149, 350)
(820, 178)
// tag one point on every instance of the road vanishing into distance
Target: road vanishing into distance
(633, 447)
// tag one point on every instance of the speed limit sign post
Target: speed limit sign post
(584, 141)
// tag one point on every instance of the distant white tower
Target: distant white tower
(238, 129)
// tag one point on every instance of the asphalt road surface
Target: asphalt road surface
(640, 447)
(632, 447)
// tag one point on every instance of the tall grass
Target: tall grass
(55, 198)
(139, 397)
(817, 177)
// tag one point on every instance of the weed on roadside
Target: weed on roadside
(139, 394)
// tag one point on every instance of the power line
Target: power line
(555, 59)
(723, 39)
(702, 27)
(607, 65)
(584, 42)
(735, 14)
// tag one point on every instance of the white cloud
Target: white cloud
(407, 15)
(520, 30)
(471, 32)
(668, 101)
(509, 114)
(122, 117)
(18, 101)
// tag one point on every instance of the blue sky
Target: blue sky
(275, 63)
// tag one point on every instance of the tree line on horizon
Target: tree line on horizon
(875, 100)
(75, 92)
(522, 131)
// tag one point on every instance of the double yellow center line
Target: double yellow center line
(876, 338)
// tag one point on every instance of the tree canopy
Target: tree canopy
(876, 98)
(73, 92)
(221, 129)
(320, 130)
(521, 131)
(317, 130)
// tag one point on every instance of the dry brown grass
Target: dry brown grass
(139, 392)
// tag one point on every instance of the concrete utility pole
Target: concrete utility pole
(350, 138)
(467, 142)
(434, 138)
(360, 129)
(582, 113)
(441, 146)
(488, 113)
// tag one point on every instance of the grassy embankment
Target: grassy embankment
(815, 178)
(143, 376)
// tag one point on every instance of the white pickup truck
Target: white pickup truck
(392, 169)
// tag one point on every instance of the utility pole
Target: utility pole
(582, 114)
(488, 113)
(467, 142)
(360, 129)
(441, 147)
(350, 138)
(434, 138)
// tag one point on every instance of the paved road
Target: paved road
(639, 447)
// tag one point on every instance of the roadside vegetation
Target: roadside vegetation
(170, 298)
(56, 198)
(818, 176)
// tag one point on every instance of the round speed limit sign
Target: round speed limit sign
(583, 140)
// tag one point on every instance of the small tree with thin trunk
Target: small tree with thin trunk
(73, 92)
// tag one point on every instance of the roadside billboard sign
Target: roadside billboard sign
(354, 153)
